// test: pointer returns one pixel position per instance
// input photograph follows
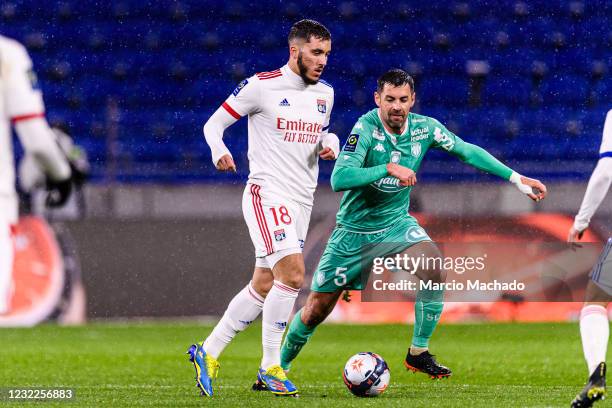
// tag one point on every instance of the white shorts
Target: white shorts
(602, 271)
(278, 226)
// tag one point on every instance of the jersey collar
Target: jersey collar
(292, 77)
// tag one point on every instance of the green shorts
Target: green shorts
(348, 256)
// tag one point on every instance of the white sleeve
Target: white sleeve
(605, 150)
(213, 133)
(600, 180)
(39, 141)
(245, 99)
(22, 98)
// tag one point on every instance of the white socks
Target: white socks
(594, 330)
(240, 313)
(276, 310)
(6, 266)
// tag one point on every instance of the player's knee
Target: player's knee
(262, 286)
(295, 280)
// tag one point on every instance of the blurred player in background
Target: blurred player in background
(594, 326)
(22, 105)
(289, 111)
(377, 169)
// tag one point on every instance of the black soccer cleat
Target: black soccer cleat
(594, 390)
(427, 364)
(259, 386)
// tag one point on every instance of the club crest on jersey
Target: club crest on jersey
(322, 105)
(415, 149)
(239, 87)
(396, 156)
(279, 235)
(351, 143)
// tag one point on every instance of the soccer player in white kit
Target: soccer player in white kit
(594, 326)
(289, 111)
(22, 106)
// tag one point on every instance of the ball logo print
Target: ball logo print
(366, 374)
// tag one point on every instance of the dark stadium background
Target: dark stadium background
(135, 81)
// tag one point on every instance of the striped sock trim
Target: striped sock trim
(285, 288)
(593, 309)
(254, 294)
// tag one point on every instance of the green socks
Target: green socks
(427, 310)
(297, 335)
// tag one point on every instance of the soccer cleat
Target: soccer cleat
(275, 380)
(206, 368)
(259, 385)
(594, 390)
(427, 364)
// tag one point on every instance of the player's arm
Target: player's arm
(26, 109)
(598, 186)
(479, 158)
(243, 101)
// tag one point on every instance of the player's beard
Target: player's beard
(395, 126)
(303, 70)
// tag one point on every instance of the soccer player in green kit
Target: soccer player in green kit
(376, 170)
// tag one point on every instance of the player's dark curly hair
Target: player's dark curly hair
(304, 29)
(394, 77)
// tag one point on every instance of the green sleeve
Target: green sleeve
(347, 178)
(478, 157)
(349, 171)
(469, 153)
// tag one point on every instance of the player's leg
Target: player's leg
(318, 306)
(242, 310)
(427, 311)
(338, 269)
(285, 224)
(595, 329)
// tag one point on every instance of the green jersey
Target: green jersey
(374, 200)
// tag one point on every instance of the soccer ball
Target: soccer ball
(366, 374)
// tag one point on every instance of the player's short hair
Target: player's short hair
(304, 29)
(394, 77)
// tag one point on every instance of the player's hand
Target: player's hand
(406, 176)
(327, 154)
(574, 235)
(226, 163)
(331, 147)
(538, 189)
(58, 192)
(532, 187)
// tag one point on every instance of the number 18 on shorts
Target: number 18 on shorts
(275, 224)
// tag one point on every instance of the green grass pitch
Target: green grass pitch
(494, 365)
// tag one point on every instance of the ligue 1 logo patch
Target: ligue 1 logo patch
(351, 142)
(239, 87)
(322, 105)
(279, 235)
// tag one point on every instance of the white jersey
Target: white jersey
(20, 99)
(600, 180)
(287, 120)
